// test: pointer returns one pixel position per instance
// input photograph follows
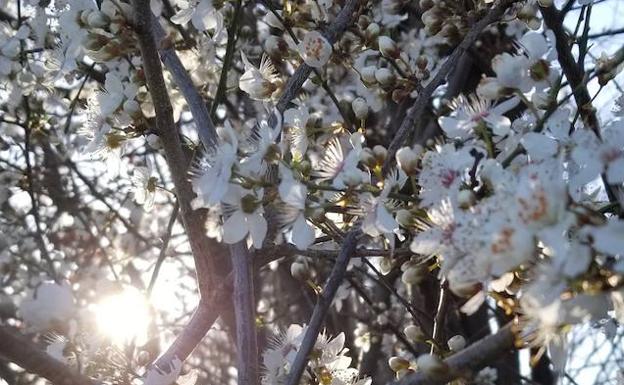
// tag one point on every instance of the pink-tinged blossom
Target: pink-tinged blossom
(443, 172)
(470, 112)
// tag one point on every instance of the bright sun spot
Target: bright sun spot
(123, 316)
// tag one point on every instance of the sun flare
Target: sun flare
(123, 317)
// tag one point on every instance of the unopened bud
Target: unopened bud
(360, 108)
(380, 153)
(368, 74)
(143, 358)
(97, 19)
(385, 266)
(397, 364)
(407, 159)
(154, 141)
(372, 31)
(456, 343)
(404, 218)
(367, 157)
(414, 333)
(131, 107)
(412, 276)
(388, 48)
(385, 77)
(299, 271)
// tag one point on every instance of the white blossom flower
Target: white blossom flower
(294, 194)
(243, 211)
(315, 49)
(600, 155)
(443, 172)
(342, 170)
(377, 219)
(295, 124)
(202, 14)
(213, 176)
(144, 187)
(260, 83)
(469, 113)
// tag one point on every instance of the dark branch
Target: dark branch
(25, 353)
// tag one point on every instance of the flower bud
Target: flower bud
(299, 271)
(372, 31)
(414, 333)
(367, 157)
(380, 153)
(407, 159)
(388, 47)
(368, 74)
(385, 266)
(412, 275)
(97, 19)
(432, 366)
(382, 319)
(404, 218)
(84, 16)
(385, 77)
(397, 364)
(360, 108)
(421, 62)
(456, 343)
(143, 358)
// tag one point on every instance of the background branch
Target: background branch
(25, 353)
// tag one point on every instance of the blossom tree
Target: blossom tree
(331, 192)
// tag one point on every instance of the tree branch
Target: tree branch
(571, 70)
(322, 306)
(245, 311)
(205, 127)
(23, 352)
(202, 247)
(424, 97)
(472, 358)
(344, 18)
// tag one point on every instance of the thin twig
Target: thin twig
(424, 97)
(227, 59)
(25, 353)
(163, 249)
(205, 128)
(470, 359)
(244, 309)
(322, 307)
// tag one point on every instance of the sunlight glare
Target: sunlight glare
(124, 316)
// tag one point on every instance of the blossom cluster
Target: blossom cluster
(510, 193)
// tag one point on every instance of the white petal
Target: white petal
(257, 229)
(499, 124)
(609, 239)
(385, 222)
(183, 16)
(235, 228)
(302, 233)
(615, 171)
(538, 146)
